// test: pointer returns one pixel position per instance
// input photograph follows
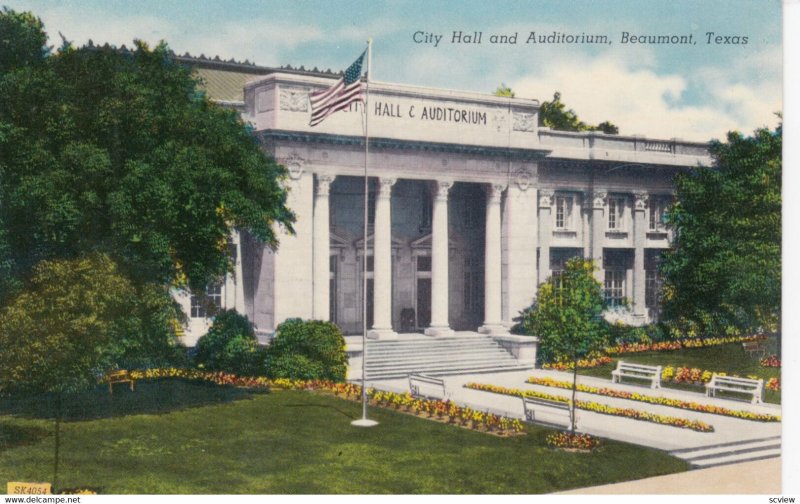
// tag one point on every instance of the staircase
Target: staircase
(459, 354)
(731, 453)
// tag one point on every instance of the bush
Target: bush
(309, 350)
(231, 346)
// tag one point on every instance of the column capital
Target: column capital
(494, 192)
(385, 186)
(442, 189)
(324, 184)
(640, 199)
(599, 199)
(545, 198)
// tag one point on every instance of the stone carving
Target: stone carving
(294, 164)
(545, 198)
(524, 179)
(640, 200)
(386, 187)
(523, 121)
(294, 99)
(599, 199)
(499, 121)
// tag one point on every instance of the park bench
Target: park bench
(429, 387)
(736, 385)
(547, 411)
(121, 376)
(637, 371)
(755, 348)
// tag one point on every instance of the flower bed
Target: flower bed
(439, 410)
(773, 384)
(582, 364)
(599, 408)
(661, 401)
(771, 361)
(570, 441)
(679, 344)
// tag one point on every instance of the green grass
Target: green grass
(176, 437)
(730, 359)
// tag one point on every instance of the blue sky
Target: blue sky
(694, 92)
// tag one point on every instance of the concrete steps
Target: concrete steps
(731, 453)
(468, 353)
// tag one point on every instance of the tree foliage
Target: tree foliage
(504, 90)
(56, 335)
(555, 114)
(117, 151)
(566, 315)
(724, 272)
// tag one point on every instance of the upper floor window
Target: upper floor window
(564, 205)
(616, 213)
(657, 207)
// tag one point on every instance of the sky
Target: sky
(689, 91)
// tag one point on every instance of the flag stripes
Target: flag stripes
(339, 96)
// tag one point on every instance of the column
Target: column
(521, 232)
(492, 285)
(639, 241)
(545, 233)
(598, 232)
(322, 248)
(382, 253)
(440, 258)
(238, 275)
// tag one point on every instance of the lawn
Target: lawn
(730, 359)
(176, 437)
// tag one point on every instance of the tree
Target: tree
(566, 317)
(117, 151)
(56, 334)
(503, 90)
(724, 271)
(554, 114)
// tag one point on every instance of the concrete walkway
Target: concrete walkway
(763, 477)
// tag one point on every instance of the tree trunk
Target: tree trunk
(574, 389)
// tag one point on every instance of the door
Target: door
(423, 302)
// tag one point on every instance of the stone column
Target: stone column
(545, 233)
(238, 275)
(639, 241)
(521, 233)
(322, 248)
(440, 258)
(382, 253)
(492, 284)
(598, 232)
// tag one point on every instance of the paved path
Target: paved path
(763, 477)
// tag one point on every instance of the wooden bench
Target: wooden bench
(755, 348)
(737, 385)
(429, 387)
(550, 412)
(637, 371)
(121, 376)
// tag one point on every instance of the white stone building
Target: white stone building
(472, 205)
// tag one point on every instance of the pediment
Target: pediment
(426, 242)
(396, 242)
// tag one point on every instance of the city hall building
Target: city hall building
(471, 206)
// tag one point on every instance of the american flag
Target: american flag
(339, 96)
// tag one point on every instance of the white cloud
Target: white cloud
(641, 101)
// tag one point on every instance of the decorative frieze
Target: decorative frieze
(599, 199)
(294, 99)
(545, 198)
(640, 199)
(294, 164)
(524, 122)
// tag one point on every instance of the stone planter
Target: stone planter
(522, 347)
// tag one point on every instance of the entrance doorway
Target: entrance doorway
(423, 302)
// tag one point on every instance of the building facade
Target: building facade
(471, 206)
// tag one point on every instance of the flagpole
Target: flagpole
(364, 421)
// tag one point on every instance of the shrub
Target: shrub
(311, 349)
(231, 346)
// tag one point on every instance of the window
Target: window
(615, 287)
(657, 210)
(653, 281)
(423, 263)
(201, 306)
(616, 264)
(616, 207)
(564, 212)
(333, 268)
